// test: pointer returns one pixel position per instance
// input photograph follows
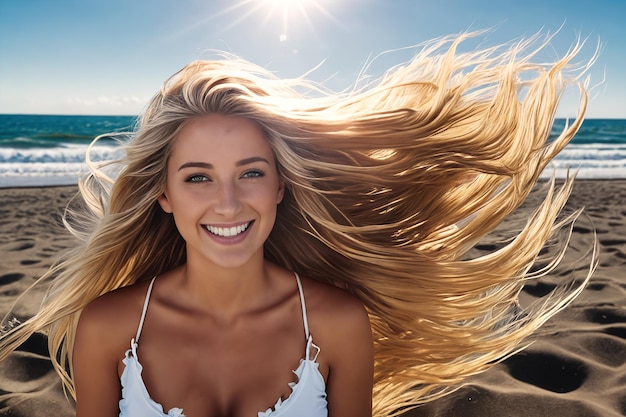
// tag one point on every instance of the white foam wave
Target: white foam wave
(590, 161)
(66, 154)
(55, 166)
(64, 165)
(597, 152)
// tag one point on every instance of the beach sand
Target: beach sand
(576, 366)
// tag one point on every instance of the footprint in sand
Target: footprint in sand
(606, 315)
(596, 287)
(550, 372)
(609, 315)
(8, 279)
(617, 332)
(19, 246)
(539, 289)
(612, 242)
(582, 230)
(11, 277)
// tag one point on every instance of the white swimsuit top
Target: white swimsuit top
(307, 399)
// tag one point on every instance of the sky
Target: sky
(110, 56)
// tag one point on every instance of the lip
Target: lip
(228, 233)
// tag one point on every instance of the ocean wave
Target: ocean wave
(590, 161)
(67, 154)
(598, 152)
(46, 141)
(40, 166)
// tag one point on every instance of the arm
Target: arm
(95, 360)
(351, 361)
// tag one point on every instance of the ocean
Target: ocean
(39, 150)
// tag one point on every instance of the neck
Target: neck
(226, 292)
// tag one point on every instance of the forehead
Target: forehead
(220, 136)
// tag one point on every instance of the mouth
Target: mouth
(228, 231)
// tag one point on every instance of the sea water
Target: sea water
(598, 151)
(39, 150)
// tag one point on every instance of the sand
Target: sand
(575, 367)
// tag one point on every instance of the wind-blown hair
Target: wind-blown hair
(388, 187)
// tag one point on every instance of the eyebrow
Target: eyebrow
(206, 165)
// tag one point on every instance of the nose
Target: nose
(227, 202)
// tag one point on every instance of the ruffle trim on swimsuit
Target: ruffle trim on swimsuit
(296, 387)
(131, 380)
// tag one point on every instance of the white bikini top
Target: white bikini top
(307, 399)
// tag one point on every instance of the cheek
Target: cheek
(267, 196)
(181, 202)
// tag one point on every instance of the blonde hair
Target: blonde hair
(388, 188)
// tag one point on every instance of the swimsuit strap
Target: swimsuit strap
(309, 339)
(304, 318)
(145, 309)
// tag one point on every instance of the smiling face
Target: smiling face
(222, 189)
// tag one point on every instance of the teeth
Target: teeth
(228, 231)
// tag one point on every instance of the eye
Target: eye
(253, 173)
(197, 178)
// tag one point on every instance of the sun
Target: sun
(287, 12)
(285, 3)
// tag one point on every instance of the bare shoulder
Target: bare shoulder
(105, 329)
(332, 301)
(111, 320)
(340, 327)
(335, 316)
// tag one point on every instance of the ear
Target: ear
(164, 202)
(281, 191)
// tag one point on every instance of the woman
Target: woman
(225, 329)
(252, 230)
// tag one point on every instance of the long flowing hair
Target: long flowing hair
(388, 188)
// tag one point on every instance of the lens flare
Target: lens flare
(290, 13)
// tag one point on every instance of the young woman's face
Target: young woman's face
(222, 189)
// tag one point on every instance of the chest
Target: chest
(208, 369)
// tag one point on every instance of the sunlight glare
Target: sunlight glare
(285, 3)
(292, 13)
(286, 8)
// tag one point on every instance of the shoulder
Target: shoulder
(105, 329)
(111, 320)
(340, 327)
(332, 300)
(115, 305)
(336, 317)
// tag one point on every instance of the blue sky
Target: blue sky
(110, 56)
